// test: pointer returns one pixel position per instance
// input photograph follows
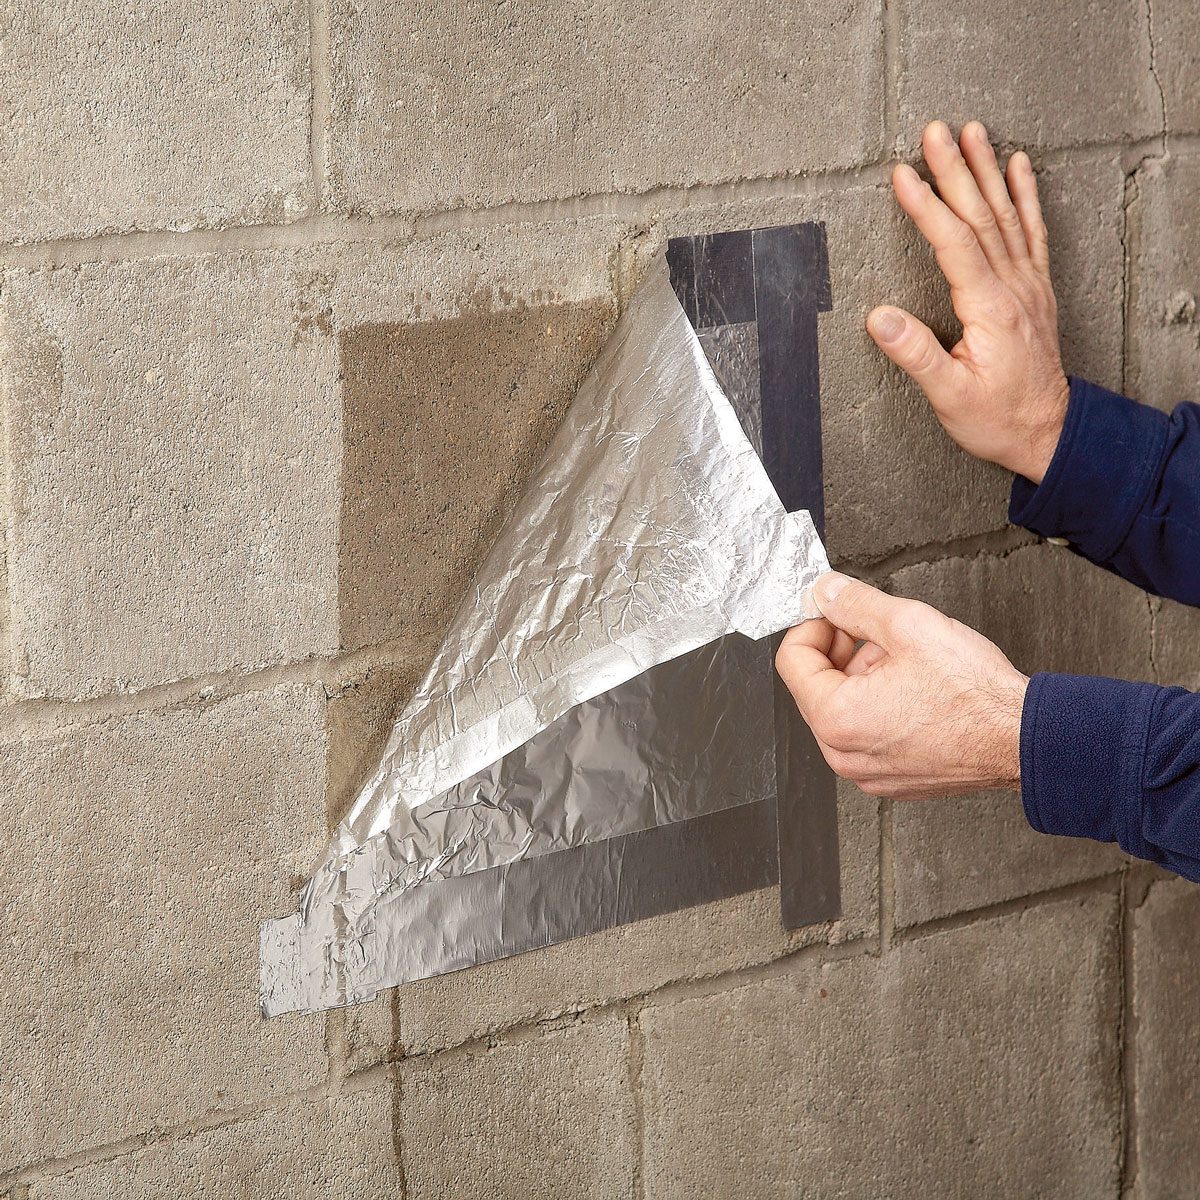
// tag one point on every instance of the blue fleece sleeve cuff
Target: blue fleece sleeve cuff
(1083, 748)
(1104, 466)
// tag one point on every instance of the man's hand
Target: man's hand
(924, 707)
(1000, 393)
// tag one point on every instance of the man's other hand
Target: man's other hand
(923, 707)
(1000, 393)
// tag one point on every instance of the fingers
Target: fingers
(958, 188)
(842, 650)
(804, 664)
(911, 345)
(1022, 185)
(865, 657)
(860, 610)
(981, 158)
(959, 255)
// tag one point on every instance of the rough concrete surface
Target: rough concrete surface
(1164, 241)
(291, 298)
(174, 434)
(978, 1061)
(142, 853)
(1176, 36)
(305, 1150)
(1177, 645)
(156, 116)
(1166, 989)
(1038, 75)
(481, 104)
(547, 1115)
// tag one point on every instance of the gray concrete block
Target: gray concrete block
(467, 107)
(547, 1114)
(978, 1061)
(1048, 610)
(1083, 203)
(153, 119)
(1176, 51)
(971, 851)
(1164, 326)
(341, 1145)
(142, 853)
(1035, 75)
(1177, 645)
(1166, 1040)
(174, 442)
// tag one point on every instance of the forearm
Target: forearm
(1123, 488)
(1117, 762)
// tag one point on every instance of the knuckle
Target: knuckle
(1008, 220)
(962, 236)
(924, 357)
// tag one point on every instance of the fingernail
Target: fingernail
(887, 325)
(829, 586)
(944, 134)
(983, 133)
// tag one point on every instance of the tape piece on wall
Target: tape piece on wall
(597, 685)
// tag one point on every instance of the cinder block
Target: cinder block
(978, 1061)
(547, 1114)
(1166, 997)
(338, 1146)
(1035, 75)
(892, 476)
(475, 105)
(971, 851)
(633, 959)
(1176, 52)
(174, 445)
(141, 855)
(182, 499)
(1083, 203)
(149, 118)
(1164, 342)
(1048, 610)
(1177, 645)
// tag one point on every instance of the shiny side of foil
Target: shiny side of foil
(597, 683)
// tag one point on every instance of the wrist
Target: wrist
(1033, 457)
(1000, 723)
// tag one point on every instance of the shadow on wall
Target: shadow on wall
(443, 423)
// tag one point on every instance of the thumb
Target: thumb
(862, 611)
(910, 344)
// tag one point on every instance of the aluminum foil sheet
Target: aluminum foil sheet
(587, 689)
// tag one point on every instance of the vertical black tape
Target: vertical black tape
(779, 278)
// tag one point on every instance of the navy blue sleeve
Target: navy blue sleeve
(1114, 761)
(1123, 489)
(1102, 758)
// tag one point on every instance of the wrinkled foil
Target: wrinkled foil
(649, 534)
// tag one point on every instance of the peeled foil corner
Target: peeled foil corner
(649, 533)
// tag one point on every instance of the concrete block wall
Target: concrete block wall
(292, 296)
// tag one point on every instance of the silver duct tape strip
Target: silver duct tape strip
(527, 905)
(650, 531)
